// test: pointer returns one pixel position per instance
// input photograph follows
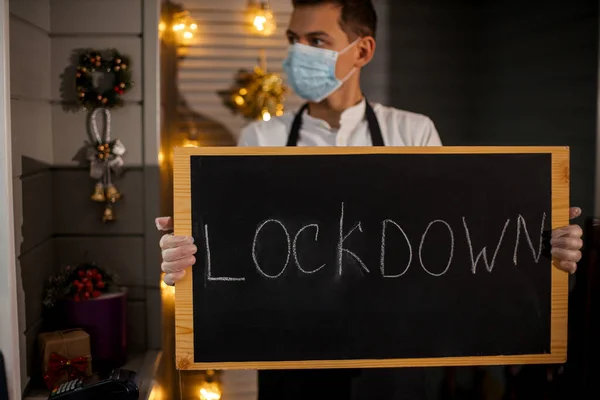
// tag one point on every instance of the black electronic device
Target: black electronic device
(3, 380)
(119, 385)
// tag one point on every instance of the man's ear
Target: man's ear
(366, 51)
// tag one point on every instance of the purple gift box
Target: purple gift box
(104, 319)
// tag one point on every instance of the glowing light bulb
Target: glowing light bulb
(266, 116)
(259, 22)
(183, 27)
(239, 100)
(262, 19)
(210, 391)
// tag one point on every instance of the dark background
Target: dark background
(502, 73)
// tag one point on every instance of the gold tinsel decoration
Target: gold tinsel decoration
(256, 95)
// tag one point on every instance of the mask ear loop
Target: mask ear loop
(349, 46)
(353, 70)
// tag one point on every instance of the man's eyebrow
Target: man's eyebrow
(316, 33)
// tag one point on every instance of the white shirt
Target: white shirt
(398, 128)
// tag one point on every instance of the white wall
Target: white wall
(9, 334)
(78, 229)
(31, 159)
(56, 223)
(128, 246)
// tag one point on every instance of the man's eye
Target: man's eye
(316, 42)
(291, 39)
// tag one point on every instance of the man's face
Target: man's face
(319, 26)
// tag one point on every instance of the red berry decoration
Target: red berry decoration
(77, 284)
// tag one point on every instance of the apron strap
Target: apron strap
(296, 125)
(374, 128)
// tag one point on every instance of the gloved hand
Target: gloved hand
(177, 252)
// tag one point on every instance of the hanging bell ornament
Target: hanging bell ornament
(108, 214)
(112, 194)
(99, 193)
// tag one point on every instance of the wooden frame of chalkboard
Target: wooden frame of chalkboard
(184, 305)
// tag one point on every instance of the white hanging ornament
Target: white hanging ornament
(106, 157)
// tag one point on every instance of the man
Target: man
(330, 42)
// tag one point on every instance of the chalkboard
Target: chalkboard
(370, 257)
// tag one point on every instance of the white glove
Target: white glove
(177, 252)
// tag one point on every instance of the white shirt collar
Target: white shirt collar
(348, 120)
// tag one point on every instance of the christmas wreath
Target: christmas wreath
(108, 61)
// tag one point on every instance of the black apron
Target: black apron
(374, 128)
(318, 384)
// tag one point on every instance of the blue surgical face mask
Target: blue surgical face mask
(311, 71)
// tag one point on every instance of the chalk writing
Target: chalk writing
(342, 249)
(295, 250)
(483, 253)
(382, 259)
(254, 242)
(208, 263)
(451, 247)
(521, 222)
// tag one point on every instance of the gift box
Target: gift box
(65, 355)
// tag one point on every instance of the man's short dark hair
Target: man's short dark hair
(358, 16)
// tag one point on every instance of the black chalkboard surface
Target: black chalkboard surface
(361, 257)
